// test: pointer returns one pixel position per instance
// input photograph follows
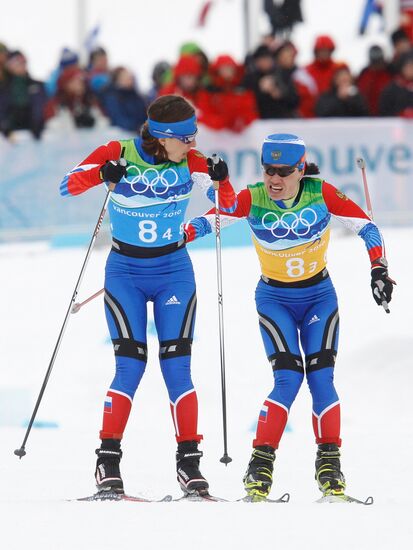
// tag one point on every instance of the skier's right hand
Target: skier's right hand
(217, 168)
(113, 171)
(381, 284)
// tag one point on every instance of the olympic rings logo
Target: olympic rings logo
(290, 222)
(158, 182)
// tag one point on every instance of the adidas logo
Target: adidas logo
(168, 131)
(173, 300)
(313, 319)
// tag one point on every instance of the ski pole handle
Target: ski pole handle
(77, 305)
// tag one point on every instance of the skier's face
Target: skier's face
(280, 186)
(176, 149)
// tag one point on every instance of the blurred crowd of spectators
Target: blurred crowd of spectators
(227, 94)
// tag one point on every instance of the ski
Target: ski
(200, 497)
(113, 496)
(344, 498)
(203, 496)
(283, 499)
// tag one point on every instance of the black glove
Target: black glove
(381, 284)
(113, 171)
(217, 168)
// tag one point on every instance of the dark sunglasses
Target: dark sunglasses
(282, 171)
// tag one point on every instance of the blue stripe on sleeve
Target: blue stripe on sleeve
(371, 235)
(201, 226)
(64, 189)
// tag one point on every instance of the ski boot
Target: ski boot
(107, 472)
(187, 467)
(328, 473)
(258, 477)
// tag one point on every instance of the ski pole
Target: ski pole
(362, 165)
(225, 458)
(77, 305)
(21, 451)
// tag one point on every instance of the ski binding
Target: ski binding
(283, 499)
(344, 498)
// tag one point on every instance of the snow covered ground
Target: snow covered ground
(374, 378)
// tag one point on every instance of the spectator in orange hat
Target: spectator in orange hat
(231, 105)
(323, 67)
(186, 80)
(192, 48)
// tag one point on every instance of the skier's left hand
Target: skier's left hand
(381, 284)
(217, 168)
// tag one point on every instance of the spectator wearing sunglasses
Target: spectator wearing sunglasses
(154, 176)
(289, 213)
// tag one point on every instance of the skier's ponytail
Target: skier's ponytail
(311, 169)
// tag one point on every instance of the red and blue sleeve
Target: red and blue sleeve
(203, 225)
(87, 174)
(198, 167)
(353, 217)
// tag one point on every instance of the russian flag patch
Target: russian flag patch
(263, 414)
(108, 404)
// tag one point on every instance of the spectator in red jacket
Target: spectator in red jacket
(396, 98)
(231, 106)
(192, 48)
(323, 67)
(186, 80)
(373, 78)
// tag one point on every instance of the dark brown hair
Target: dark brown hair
(167, 108)
(311, 169)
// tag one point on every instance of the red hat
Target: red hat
(324, 42)
(188, 64)
(222, 60)
(68, 74)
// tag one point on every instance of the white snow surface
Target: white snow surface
(373, 377)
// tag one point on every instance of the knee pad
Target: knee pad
(320, 360)
(285, 360)
(175, 348)
(126, 347)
